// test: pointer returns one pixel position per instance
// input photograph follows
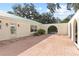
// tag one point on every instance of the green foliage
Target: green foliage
(25, 10)
(10, 12)
(28, 10)
(65, 21)
(53, 6)
(47, 18)
(39, 32)
(75, 6)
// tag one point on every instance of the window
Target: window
(13, 30)
(33, 28)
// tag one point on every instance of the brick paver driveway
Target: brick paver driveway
(39, 45)
(17, 46)
(53, 45)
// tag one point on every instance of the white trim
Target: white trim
(76, 45)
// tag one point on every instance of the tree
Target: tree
(67, 19)
(10, 12)
(28, 11)
(53, 6)
(25, 10)
(75, 6)
(58, 20)
(47, 18)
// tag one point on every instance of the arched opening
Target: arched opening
(75, 35)
(52, 30)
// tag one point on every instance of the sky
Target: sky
(41, 8)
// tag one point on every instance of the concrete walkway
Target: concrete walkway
(55, 45)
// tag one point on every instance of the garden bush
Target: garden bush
(39, 32)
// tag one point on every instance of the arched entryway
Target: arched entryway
(52, 30)
(75, 35)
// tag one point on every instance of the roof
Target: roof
(5, 14)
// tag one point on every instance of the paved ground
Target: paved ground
(55, 45)
(17, 46)
(45, 45)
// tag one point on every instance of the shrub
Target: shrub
(41, 31)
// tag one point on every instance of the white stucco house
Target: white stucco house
(12, 26)
(73, 29)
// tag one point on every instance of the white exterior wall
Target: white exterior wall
(74, 18)
(21, 31)
(61, 27)
(24, 26)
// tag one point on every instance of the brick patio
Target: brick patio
(55, 45)
(45, 45)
